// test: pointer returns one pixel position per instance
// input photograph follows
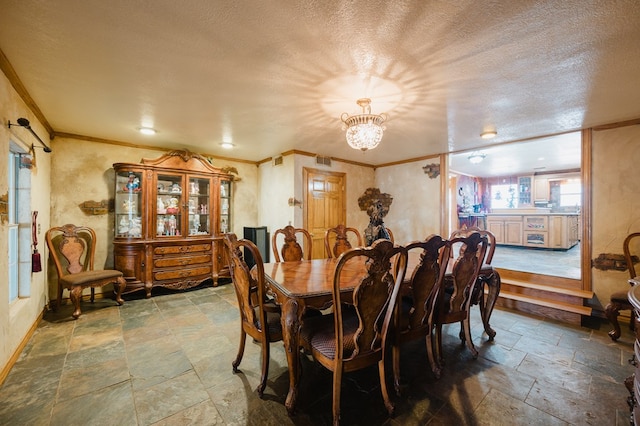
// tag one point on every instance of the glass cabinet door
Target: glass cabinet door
(128, 204)
(199, 206)
(169, 204)
(225, 206)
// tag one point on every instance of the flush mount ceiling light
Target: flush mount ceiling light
(147, 130)
(476, 157)
(363, 131)
(488, 134)
(227, 145)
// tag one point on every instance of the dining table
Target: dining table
(308, 284)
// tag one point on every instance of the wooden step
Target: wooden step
(584, 294)
(547, 303)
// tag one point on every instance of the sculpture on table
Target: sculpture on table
(376, 204)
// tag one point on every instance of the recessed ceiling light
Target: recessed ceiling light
(227, 145)
(147, 130)
(488, 134)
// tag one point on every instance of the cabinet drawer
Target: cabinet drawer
(168, 262)
(181, 273)
(536, 239)
(195, 248)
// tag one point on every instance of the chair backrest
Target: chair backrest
(465, 231)
(463, 276)
(631, 248)
(291, 249)
(249, 288)
(425, 282)
(339, 236)
(72, 248)
(374, 298)
(390, 234)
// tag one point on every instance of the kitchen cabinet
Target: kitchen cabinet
(548, 230)
(541, 189)
(170, 215)
(525, 191)
(506, 229)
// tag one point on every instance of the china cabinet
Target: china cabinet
(170, 214)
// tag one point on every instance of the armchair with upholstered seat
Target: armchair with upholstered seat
(452, 305)
(356, 337)
(415, 307)
(259, 318)
(291, 249)
(72, 249)
(343, 239)
(618, 300)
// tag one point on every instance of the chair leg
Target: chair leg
(120, 285)
(243, 338)
(76, 297)
(467, 333)
(431, 353)
(93, 294)
(395, 359)
(383, 388)
(611, 311)
(265, 366)
(337, 383)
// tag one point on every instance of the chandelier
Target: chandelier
(363, 131)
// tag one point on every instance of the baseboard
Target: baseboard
(7, 368)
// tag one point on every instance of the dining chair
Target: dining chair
(356, 337)
(390, 234)
(291, 249)
(618, 300)
(452, 305)
(415, 307)
(73, 250)
(486, 270)
(257, 319)
(339, 236)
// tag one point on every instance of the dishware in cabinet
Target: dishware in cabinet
(178, 205)
(225, 206)
(129, 204)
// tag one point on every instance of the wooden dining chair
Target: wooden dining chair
(339, 236)
(452, 305)
(415, 307)
(618, 300)
(73, 250)
(257, 318)
(291, 249)
(356, 337)
(486, 273)
(390, 235)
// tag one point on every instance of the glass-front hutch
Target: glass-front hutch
(170, 214)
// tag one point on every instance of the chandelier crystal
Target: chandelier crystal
(363, 131)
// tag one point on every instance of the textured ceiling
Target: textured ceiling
(276, 75)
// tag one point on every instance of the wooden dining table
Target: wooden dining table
(308, 284)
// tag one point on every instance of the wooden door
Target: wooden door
(325, 205)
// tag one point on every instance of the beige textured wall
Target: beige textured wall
(17, 318)
(616, 201)
(415, 211)
(83, 171)
(275, 187)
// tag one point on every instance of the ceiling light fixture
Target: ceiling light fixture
(488, 134)
(363, 131)
(147, 130)
(227, 145)
(476, 157)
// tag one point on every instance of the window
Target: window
(19, 215)
(503, 197)
(570, 193)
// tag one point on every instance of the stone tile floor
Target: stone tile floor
(167, 361)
